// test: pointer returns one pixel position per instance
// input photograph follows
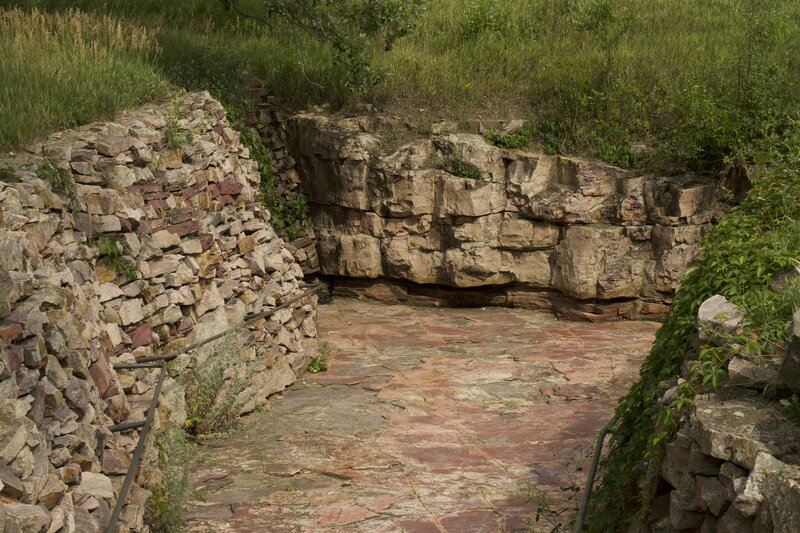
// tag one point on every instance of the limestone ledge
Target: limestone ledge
(162, 244)
(585, 230)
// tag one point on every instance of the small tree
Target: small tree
(350, 27)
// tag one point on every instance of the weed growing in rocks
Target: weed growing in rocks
(547, 516)
(60, 179)
(8, 174)
(212, 401)
(317, 364)
(520, 139)
(791, 406)
(456, 166)
(172, 489)
(111, 254)
(320, 363)
(288, 217)
(174, 136)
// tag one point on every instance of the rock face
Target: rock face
(451, 210)
(120, 240)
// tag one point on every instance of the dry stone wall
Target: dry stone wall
(119, 240)
(496, 226)
(734, 466)
(268, 120)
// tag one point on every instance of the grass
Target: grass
(214, 385)
(110, 253)
(68, 68)
(594, 77)
(172, 488)
(662, 85)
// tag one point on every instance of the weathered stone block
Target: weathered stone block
(718, 320)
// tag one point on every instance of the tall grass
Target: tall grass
(693, 81)
(63, 69)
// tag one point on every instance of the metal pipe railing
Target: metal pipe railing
(587, 491)
(246, 319)
(137, 454)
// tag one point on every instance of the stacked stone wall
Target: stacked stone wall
(268, 119)
(734, 466)
(120, 240)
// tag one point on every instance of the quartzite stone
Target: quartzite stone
(718, 320)
(64, 304)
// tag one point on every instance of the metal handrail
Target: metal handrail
(145, 362)
(587, 492)
(137, 454)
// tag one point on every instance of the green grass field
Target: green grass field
(694, 82)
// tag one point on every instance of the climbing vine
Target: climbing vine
(739, 259)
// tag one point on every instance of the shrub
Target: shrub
(111, 254)
(212, 401)
(519, 139)
(740, 257)
(172, 489)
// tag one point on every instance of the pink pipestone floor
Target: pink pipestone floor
(428, 420)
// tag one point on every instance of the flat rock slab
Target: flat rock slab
(428, 419)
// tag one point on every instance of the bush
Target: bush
(172, 489)
(213, 386)
(753, 242)
(595, 77)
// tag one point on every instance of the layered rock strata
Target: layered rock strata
(449, 210)
(734, 465)
(119, 240)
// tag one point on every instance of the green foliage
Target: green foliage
(172, 490)
(350, 28)
(289, 216)
(549, 516)
(65, 69)
(60, 179)
(740, 257)
(8, 174)
(791, 407)
(696, 87)
(520, 139)
(212, 401)
(457, 166)
(317, 365)
(174, 136)
(110, 253)
(481, 16)
(320, 363)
